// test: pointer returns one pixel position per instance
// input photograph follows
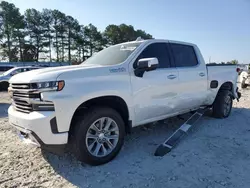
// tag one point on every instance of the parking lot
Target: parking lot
(215, 154)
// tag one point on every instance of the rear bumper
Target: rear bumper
(35, 128)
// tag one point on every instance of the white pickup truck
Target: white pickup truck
(90, 107)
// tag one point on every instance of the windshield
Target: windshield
(113, 54)
(8, 71)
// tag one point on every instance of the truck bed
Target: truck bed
(222, 73)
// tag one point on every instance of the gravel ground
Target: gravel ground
(215, 154)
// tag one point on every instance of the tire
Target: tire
(223, 104)
(85, 125)
(4, 86)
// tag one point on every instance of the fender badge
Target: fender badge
(121, 69)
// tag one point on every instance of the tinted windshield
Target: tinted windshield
(113, 55)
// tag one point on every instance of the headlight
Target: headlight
(53, 85)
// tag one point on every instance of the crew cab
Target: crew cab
(90, 107)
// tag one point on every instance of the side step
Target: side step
(168, 144)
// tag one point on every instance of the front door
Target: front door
(155, 94)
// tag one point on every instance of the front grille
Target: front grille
(22, 97)
(22, 106)
(26, 95)
(20, 86)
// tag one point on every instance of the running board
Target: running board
(172, 141)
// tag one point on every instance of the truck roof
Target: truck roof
(159, 40)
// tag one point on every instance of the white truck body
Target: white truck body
(158, 94)
(244, 79)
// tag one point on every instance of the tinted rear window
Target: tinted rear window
(184, 55)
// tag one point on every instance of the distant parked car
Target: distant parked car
(244, 79)
(4, 78)
(4, 68)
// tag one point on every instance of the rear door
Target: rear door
(192, 76)
(155, 94)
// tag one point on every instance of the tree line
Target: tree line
(51, 35)
(235, 62)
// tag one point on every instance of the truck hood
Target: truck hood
(47, 74)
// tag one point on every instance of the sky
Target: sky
(220, 28)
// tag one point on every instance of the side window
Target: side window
(16, 71)
(184, 55)
(158, 50)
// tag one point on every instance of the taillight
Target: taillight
(238, 70)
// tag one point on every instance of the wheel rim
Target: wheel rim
(228, 105)
(102, 137)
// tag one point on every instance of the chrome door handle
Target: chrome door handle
(171, 77)
(202, 74)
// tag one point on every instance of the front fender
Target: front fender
(74, 94)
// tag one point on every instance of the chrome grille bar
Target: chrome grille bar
(25, 99)
(22, 107)
(20, 86)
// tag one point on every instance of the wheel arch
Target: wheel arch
(115, 102)
(226, 86)
(4, 86)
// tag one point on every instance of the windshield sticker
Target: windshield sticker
(122, 69)
(130, 48)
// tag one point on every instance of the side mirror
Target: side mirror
(146, 64)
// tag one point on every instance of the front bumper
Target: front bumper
(35, 128)
(29, 137)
